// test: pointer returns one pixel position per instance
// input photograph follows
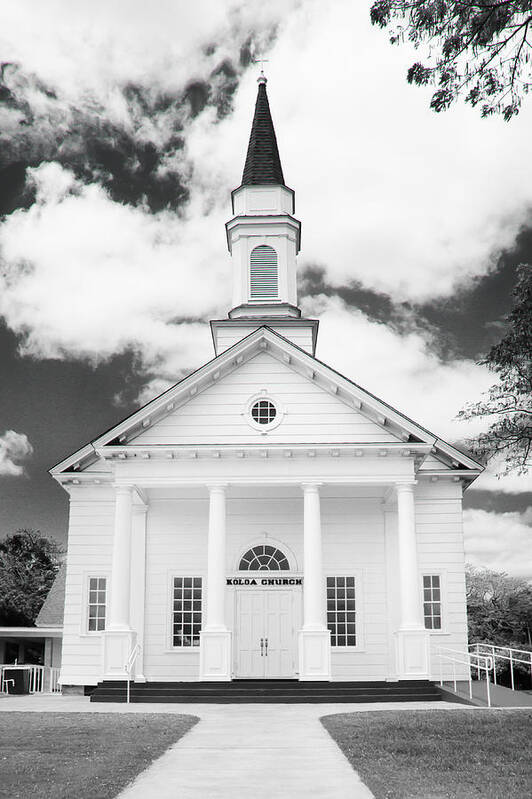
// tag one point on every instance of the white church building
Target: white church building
(266, 518)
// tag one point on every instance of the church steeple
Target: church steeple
(263, 164)
(263, 238)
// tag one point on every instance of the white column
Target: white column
(215, 615)
(412, 639)
(314, 637)
(119, 589)
(215, 638)
(407, 553)
(119, 638)
(313, 587)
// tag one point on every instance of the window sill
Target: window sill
(182, 650)
(438, 632)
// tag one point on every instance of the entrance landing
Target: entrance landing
(263, 752)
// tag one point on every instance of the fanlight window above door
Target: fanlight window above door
(264, 558)
(263, 273)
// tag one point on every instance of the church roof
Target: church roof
(263, 164)
(51, 613)
(409, 434)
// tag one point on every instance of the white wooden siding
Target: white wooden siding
(217, 415)
(90, 543)
(227, 336)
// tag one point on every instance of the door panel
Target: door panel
(279, 634)
(250, 629)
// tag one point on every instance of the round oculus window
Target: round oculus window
(263, 412)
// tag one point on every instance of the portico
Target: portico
(391, 480)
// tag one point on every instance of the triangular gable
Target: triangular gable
(308, 413)
(263, 339)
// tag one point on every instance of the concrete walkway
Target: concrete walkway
(263, 751)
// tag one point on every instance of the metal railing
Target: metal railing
(42, 679)
(128, 667)
(506, 653)
(473, 660)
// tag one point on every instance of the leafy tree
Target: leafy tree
(509, 401)
(28, 566)
(480, 49)
(499, 608)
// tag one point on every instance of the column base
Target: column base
(215, 656)
(314, 655)
(117, 645)
(412, 654)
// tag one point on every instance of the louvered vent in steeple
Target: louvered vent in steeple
(263, 283)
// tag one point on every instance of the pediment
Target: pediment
(318, 406)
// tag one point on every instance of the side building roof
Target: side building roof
(52, 612)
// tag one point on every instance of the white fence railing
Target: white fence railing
(504, 653)
(473, 660)
(41, 679)
(128, 667)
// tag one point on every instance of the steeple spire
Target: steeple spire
(263, 164)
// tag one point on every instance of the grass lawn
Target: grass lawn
(80, 755)
(439, 754)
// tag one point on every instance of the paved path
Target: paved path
(263, 751)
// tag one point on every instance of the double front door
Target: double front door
(265, 639)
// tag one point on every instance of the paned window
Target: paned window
(341, 610)
(263, 273)
(263, 412)
(186, 617)
(432, 601)
(97, 601)
(264, 558)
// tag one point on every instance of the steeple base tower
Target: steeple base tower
(302, 332)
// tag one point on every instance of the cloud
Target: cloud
(406, 201)
(506, 483)
(499, 541)
(14, 447)
(399, 367)
(87, 277)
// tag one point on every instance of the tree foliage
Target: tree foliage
(28, 566)
(499, 608)
(478, 49)
(509, 401)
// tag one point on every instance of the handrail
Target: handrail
(128, 667)
(483, 663)
(511, 657)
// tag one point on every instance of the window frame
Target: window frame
(359, 609)
(183, 574)
(271, 298)
(280, 412)
(428, 572)
(256, 571)
(87, 577)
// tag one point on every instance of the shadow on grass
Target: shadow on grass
(82, 755)
(438, 754)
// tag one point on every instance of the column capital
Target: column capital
(217, 488)
(405, 488)
(120, 488)
(312, 487)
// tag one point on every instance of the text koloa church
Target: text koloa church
(266, 517)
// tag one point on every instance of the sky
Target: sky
(123, 129)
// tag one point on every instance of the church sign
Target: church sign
(264, 581)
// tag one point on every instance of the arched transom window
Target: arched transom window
(264, 558)
(263, 283)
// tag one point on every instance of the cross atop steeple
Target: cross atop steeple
(261, 61)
